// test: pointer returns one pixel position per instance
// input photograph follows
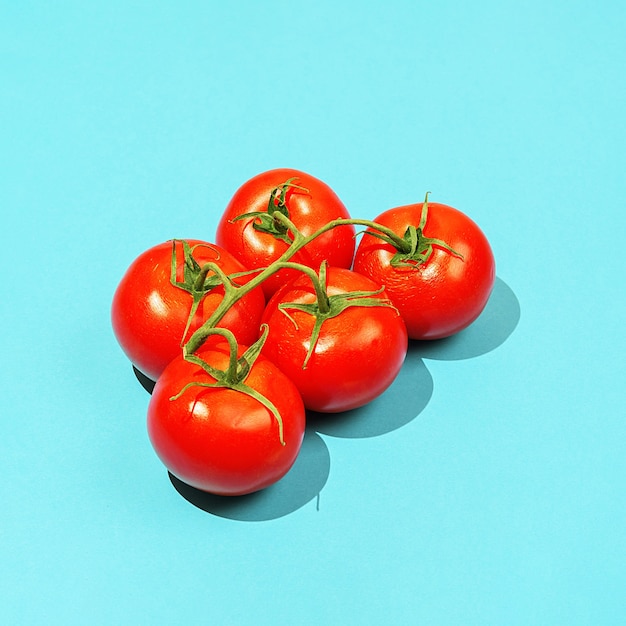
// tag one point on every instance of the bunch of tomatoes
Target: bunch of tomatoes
(294, 307)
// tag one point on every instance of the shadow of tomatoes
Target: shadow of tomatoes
(402, 402)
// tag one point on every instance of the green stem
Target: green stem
(199, 283)
(235, 293)
(394, 239)
(319, 282)
(189, 349)
(424, 213)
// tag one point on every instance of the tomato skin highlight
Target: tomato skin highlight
(149, 314)
(358, 354)
(445, 294)
(309, 209)
(220, 440)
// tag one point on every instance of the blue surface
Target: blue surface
(487, 485)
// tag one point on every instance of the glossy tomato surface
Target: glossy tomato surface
(358, 353)
(149, 314)
(310, 203)
(445, 294)
(221, 440)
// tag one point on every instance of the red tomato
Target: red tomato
(358, 353)
(222, 440)
(309, 203)
(448, 286)
(149, 314)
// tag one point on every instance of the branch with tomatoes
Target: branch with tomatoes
(286, 313)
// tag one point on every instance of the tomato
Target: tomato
(308, 202)
(359, 350)
(447, 283)
(149, 314)
(222, 440)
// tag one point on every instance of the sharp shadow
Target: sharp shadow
(402, 402)
(494, 326)
(409, 394)
(146, 383)
(300, 485)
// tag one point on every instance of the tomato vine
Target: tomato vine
(277, 222)
(328, 340)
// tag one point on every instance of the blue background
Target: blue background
(487, 485)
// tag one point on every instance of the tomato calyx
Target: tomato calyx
(194, 279)
(234, 376)
(198, 280)
(326, 307)
(266, 221)
(415, 248)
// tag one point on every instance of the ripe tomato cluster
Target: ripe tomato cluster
(284, 313)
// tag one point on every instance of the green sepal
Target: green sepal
(414, 249)
(235, 375)
(191, 270)
(264, 221)
(197, 280)
(337, 304)
(420, 249)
